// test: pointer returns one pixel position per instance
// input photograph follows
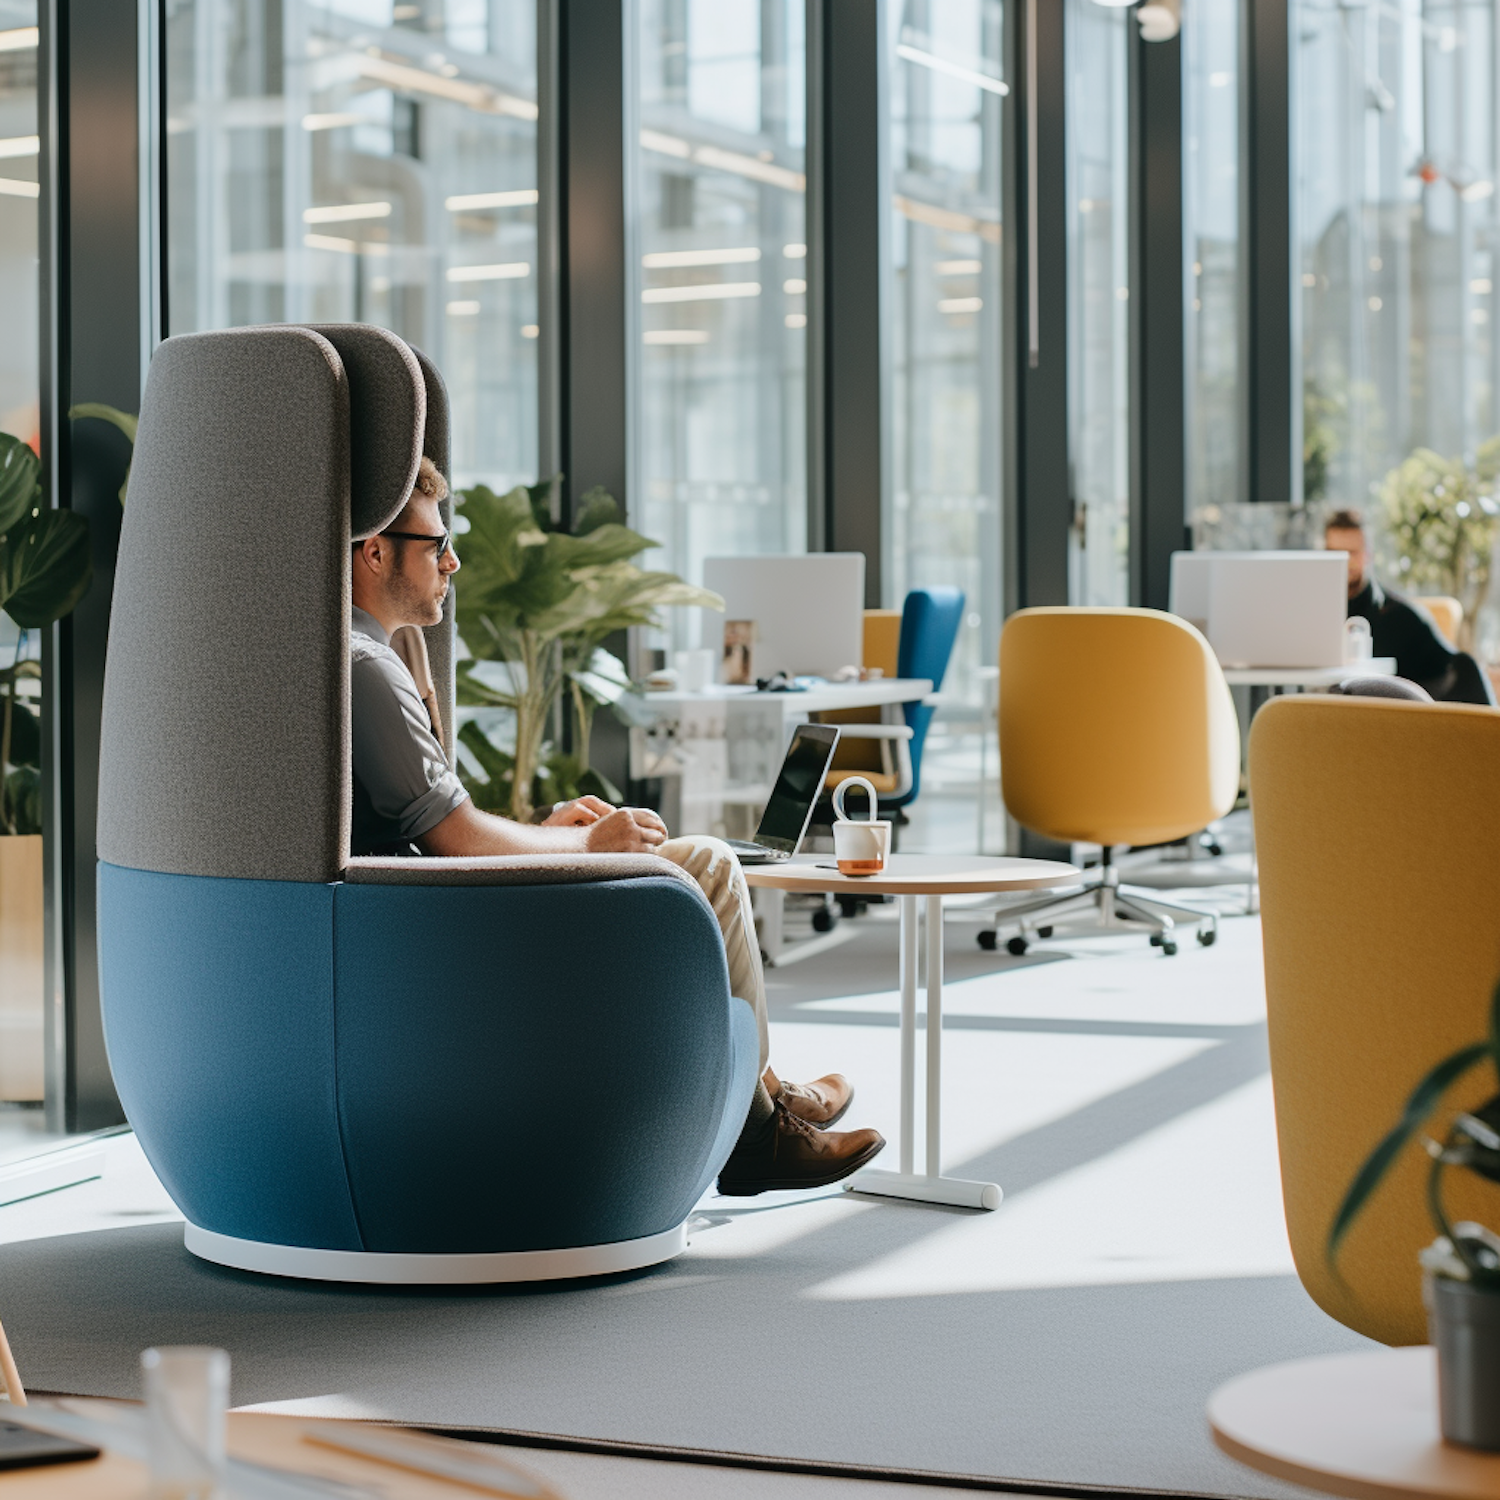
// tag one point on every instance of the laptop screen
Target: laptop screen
(786, 816)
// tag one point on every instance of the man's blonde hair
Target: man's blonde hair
(430, 481)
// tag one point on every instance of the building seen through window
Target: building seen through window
(946, 328)
(720, 272)
(368, 161)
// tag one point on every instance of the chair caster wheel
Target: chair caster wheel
(1215, 850)
(824, 920)
(989, 941)
(1208, 937)
(1017, 946)
(1156, 940)
(1169, 950)
(1044, 932)
(850, 906)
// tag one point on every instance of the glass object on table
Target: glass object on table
(187, 1405)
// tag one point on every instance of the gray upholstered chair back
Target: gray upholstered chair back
(225, 738)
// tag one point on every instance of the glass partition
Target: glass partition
(1396, 198)
(721, 273)
(369, 161)
(1211, 209)
(1098, 142)
(22, 978)
(943, 525)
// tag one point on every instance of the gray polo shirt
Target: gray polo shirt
(403, 784)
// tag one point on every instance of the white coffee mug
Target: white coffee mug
(860, 847)
(695, 669)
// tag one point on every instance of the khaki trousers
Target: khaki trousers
(712, 864)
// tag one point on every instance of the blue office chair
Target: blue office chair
(380, 1070)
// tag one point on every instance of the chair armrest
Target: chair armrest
(874, 732)
(511, 869)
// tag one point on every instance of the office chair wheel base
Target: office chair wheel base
(824, 920)
(1169, 950)
(1044, 932)
(851, 906)
(1215, 850)
(989, 941)
(1208, 937)
(1017, 946)
(1156, 940)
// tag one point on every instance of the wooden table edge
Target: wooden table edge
(882, 885)
(1328, 1482)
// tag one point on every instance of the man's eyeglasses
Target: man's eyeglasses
(440, 544)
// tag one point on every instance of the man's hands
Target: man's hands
(611, 830)
(587, 824)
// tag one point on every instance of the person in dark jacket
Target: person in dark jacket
(1401, 628)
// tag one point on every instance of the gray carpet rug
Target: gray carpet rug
(1071, 1339)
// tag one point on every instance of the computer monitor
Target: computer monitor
(808, 609)
(1265, 609)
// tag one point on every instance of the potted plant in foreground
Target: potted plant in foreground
(1461, 1280)
(45, 568)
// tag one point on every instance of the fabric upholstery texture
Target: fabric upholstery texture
(387, 420)
(395, 1068)
(1376, 826)
(224, 747)
(1116, 726)
(513, 869)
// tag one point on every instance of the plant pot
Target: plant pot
(1464, 1324)
(21, 972)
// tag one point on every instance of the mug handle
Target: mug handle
(870, 792)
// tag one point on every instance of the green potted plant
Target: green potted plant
(45, 569)
(1440, 517)
(1461, 1268)
(536, 602)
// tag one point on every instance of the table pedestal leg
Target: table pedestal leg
(929, 1186)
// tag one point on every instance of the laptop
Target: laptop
(790, 810)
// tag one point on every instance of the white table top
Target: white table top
(917, 875)
(1308, 677)
(1363, 1425)
(815, 700)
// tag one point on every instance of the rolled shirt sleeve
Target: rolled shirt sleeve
(407, 784)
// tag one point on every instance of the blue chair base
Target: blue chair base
(305, 1264)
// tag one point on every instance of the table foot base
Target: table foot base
(920, 1188)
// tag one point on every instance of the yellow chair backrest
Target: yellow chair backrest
(1377, 830)
(1116, 726)
(1447, 614)
(882, 649)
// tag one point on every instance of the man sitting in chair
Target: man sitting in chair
(406, 793)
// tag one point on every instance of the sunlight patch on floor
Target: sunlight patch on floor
(1196, 1199)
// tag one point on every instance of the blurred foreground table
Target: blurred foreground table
(1363, 1425)
(918, 879)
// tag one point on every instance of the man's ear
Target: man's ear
(371, 556)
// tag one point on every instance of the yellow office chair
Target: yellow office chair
(1377, 830)
(1447, 614)
(1116, 727)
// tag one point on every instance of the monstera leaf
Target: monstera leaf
(45, 568)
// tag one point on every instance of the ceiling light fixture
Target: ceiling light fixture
(1160, 20)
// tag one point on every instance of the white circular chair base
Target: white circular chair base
(433, 1270)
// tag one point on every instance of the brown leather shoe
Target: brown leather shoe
(823, 1102)
(790, 1153)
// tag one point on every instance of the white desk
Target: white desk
(1308, 679)
(919, 879)
(718, 751)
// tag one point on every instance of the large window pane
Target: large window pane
(946, 333)
(720, 233)
(1396, 179)
(367, 161)
(1211, 190)
(21, 942)
(1099, 299)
